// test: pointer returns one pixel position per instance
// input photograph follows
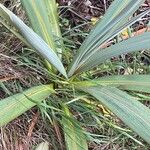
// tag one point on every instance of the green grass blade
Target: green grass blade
(127, 108)
(14, 106)
(139, 83)
(33, 39)
(43, 17)
(117, 15)
(133, 44)
(74, 137)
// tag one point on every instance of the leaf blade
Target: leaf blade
(140, 83)
(15, 105)
(43, 17)
(126, 46)
(128, 109)
(74, 136)
(113, 19)
(33, 39)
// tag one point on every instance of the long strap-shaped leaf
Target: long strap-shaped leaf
(34, 40)
(127, 82)
(114, 25)
(112, 34)
(14, 106)
(116, 16)
(16, 33)
(127, 108)
(43, 17)
(133, 44)
(74, 136)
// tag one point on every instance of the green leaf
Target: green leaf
(43, 17)
(115, 18)
(74, 137)
(33, 39)
(127, 108)
(14, 106)
(139, 83)
(119, 13)
(133, 44)
(15, 32)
